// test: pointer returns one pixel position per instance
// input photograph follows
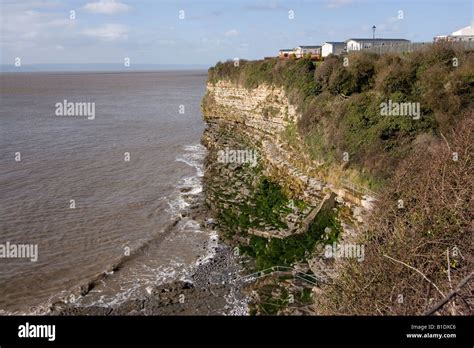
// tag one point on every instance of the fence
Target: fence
(309, 278)
(415, 46)
(357, 189)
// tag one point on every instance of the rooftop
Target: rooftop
(309, 47)
(469, 30)
(375, 40)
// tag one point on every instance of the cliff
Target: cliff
(260, 120)
(323, 148)
(266, 116)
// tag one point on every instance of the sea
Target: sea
(104, 199)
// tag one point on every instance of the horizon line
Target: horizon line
(98, 67)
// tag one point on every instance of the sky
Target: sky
(203, 32)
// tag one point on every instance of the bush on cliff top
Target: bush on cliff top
(341, 102)
(295, 75)
(431, 233)
(417, 253)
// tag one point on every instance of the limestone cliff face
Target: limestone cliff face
(266, 117)
(264, 109)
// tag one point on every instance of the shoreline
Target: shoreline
(208, 289)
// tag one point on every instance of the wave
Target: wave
(187, 191)
(188, 186)
(194, 157)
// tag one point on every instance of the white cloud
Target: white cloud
(231, 33)
(108, 32)
(106, 7)
(24, 28)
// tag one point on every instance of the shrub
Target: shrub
(396, 77)
(362, 69)
(341, 81)
(353, 123)
(324, 70)
(435, 218)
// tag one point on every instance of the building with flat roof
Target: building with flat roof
(301, 51)
(361, 44)
(463, 34)
(332, 47)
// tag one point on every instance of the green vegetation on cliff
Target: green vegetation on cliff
(244, 198)
(340, 102)
(267, 206)
(325, 229)
(418, 240)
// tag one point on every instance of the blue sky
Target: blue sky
(151, 32)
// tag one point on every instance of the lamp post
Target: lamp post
(373, 32)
